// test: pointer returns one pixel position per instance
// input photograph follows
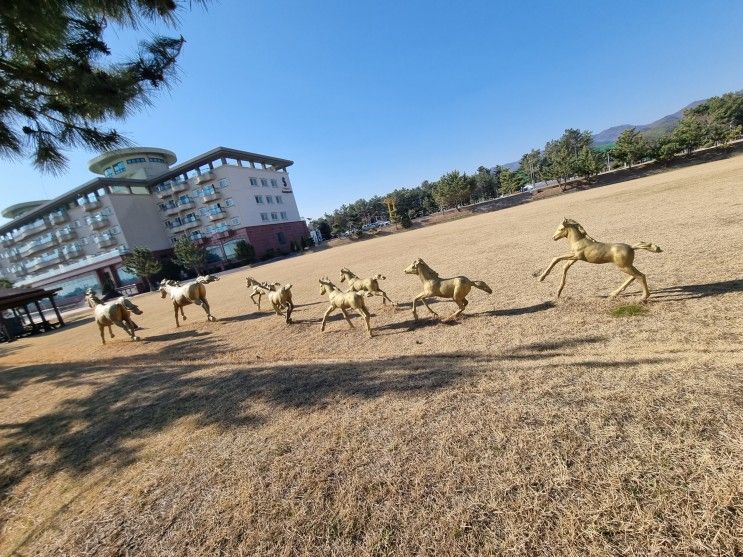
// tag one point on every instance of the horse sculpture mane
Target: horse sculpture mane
(578, 227)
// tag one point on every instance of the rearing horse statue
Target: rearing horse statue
(585, 248)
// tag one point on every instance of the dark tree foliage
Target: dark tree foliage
(189, 254)
(244, 252)
(56, 87)
(5, 283)
(142, 263)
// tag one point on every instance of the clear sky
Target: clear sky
(369, 96)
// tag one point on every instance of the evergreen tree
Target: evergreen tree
(142, 263)
(5, 283)
(630, 147)
(55, 88)
(453, 189)
(244, 252)
(189, 254)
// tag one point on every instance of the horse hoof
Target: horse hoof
(136, 338)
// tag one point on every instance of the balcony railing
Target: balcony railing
(31, 229)
(174, 210)
(204, 177)
(91, 205)
(178, 187)
(185, 205)
(217, 216)
(29, 249)
(105, 242)
(188, 225)
(38, 265)
(162, 193)
(59, 218)
(100, 222)
(66, 235)
(209, 197)
(73, 252)
(6, 242)
(14, 256)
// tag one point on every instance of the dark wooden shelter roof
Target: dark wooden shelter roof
(15, 297)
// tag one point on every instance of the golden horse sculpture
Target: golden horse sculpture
(585, 248)
(117, 312)
(280, 297)
(455, 288)
(258, 290)
(369, 285)
(193, 292)
(343, 301)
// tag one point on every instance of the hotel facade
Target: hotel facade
(140, 199)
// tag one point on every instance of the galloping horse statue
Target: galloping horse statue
(585, 248)
(455, 288)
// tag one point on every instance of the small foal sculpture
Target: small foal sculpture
(369, 285)
(343, 301)
(280, 298)
(455, 288)
(585, 248)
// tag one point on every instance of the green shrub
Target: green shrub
(629, 310)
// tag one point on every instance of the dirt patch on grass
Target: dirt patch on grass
(528, 427)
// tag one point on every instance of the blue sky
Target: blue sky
(369, 96)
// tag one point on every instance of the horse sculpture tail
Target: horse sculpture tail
(482, 286)
(380, 277)
(648, 246)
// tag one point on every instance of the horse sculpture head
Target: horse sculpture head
(345, 272)
(129, 305)
(90, 297)
(562, 230)
(414, 267)
(326, 286)
(163, 286)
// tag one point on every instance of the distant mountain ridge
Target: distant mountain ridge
(659, 127)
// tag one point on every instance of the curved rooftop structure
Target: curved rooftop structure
(133, 162)
(22, 208)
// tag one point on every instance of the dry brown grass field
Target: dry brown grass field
(526, 428)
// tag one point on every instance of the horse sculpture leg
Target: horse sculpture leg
(348, 319)
(422, 298)
(110, 331)
(289, 309)
(102, 329)
(366, 315)
(330, 310)
(126, 328)
(564, 275)
(619, 290)
(554, 262)
(175, 307)
(462, 304)
(207, 309)
(631, 270)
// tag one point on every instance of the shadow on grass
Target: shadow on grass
(695, 291)
(518, 311)
(146, 394)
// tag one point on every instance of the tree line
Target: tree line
(716, 122)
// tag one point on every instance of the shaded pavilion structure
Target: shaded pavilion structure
(14, 307)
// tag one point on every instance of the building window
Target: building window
(264, 217)
(269, 200)
(259, 199)
(204, 210)
(119, 167)
(282, 237)
(108, 172)
(115, 230)
(163, 206)
(224, 182)
(283, 215)
(274, 184)
(279, 199)
(274, 216)
(264, 182)
(135, 161)
(235, 221)
(229, 202)
(157, 159)
(254, 182)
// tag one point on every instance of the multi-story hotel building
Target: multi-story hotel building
(77, 240)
